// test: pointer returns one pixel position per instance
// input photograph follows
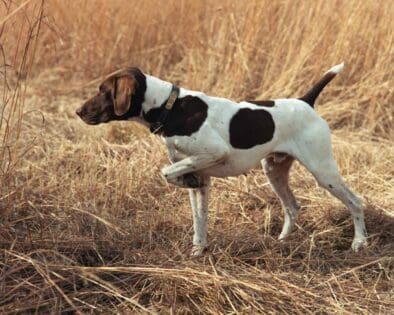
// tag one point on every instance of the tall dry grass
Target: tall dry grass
(15, 67)
(92, 227)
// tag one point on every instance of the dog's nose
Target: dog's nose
(79, 111)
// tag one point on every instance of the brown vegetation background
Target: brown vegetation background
(87, 223)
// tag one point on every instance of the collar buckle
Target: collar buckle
(172, 98)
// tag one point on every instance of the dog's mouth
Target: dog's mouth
(91, 122)
(93, 118)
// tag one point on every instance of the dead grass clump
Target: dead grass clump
(14, 75)
(89, 226)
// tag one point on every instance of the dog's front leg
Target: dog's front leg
(202, 151)
(174, 155)
(199, 203)
(190, 180)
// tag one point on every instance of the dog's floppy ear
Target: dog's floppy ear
(122, 92)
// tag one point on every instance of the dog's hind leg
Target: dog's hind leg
(315, 153)
(329, 178)
(277, 171)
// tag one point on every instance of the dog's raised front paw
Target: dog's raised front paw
(166, 172)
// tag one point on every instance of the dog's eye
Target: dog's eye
(103, 89)
(108, 95)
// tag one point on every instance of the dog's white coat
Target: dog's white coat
(299, 132)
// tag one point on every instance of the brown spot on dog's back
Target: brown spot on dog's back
(265, 103)
(184, 119)
(249, 128)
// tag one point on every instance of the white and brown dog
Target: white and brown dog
(211, 136)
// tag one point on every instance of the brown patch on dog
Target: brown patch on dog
(266, 103)
(120, 97)
(107, 85)
(249, 128)
(184, 119)
(123, 90)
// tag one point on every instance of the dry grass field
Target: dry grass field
(87, 223)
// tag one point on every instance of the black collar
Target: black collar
(156, 126)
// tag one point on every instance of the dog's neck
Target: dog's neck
(156, 94)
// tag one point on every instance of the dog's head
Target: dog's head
(119, 98)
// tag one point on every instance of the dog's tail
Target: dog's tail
(314, 92)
